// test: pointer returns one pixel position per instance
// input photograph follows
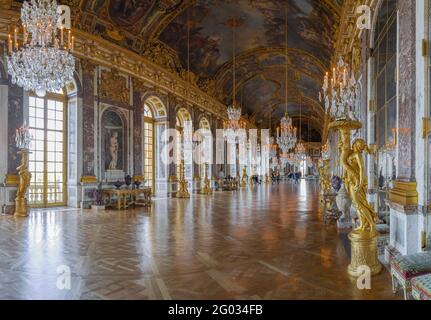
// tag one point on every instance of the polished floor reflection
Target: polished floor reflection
(265, 243)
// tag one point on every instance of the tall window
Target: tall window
(47, 159)
(148, 146)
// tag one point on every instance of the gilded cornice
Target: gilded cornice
(105, 53)
(348, 34)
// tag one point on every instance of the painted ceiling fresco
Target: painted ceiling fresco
(261, 23)
(260, 43)
(260, 51)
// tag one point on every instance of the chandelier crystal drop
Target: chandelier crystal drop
(44, 62)
(340, 92)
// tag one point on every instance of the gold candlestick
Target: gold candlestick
(21, 208)
(364, 238)
(207, 183)
(183, 193)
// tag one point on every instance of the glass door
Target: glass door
(47, 161)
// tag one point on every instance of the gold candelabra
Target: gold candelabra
(21, 207)
(183, 192)
(364, 238)
(207, 183)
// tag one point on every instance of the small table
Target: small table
(128, 197)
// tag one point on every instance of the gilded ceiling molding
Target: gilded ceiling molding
(105, 53)
(348, 37)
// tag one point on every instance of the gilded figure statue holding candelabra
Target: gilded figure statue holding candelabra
(23, 139)
(341, 96)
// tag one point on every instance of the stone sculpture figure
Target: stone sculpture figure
(113, 149)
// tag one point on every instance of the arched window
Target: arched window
(148, 140)
(47, 161)
(206, 155)
(183, 146)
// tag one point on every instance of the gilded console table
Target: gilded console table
(127, 197)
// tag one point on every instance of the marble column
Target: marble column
(137, 135)
(88, 119)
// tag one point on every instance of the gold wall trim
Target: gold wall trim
(404, 193)
(11, 180)
(88, 179)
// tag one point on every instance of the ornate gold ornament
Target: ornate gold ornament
(183, 192)
(207, 183)
(364, 238)
(325, 177)
(88, 179)
(113, 87)
(21, 207)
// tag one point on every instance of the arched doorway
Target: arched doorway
(183, 145)
(154, 123)
(205, 140)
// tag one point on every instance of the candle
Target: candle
(10, 44)
(345, 77)
(73, 44)
(15, 36)
(25, 35)
(68, 38)
(61, 36)
(333, 74)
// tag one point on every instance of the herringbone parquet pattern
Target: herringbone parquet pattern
(265, 243)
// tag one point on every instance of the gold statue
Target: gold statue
(207, 184)
(183, 192)
(244, 177)
(363, 239)
(21, 209)
(325, 183)
(356, 184)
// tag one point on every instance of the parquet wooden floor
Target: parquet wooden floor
(265, 243)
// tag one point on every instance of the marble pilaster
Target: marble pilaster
(137, 134)
(88, 119)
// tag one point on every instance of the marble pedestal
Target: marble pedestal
(404, 229)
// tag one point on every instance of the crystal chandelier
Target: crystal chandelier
(44, 62)
(286, 137)
(300, 151)
(341, 93)
(234, 123)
